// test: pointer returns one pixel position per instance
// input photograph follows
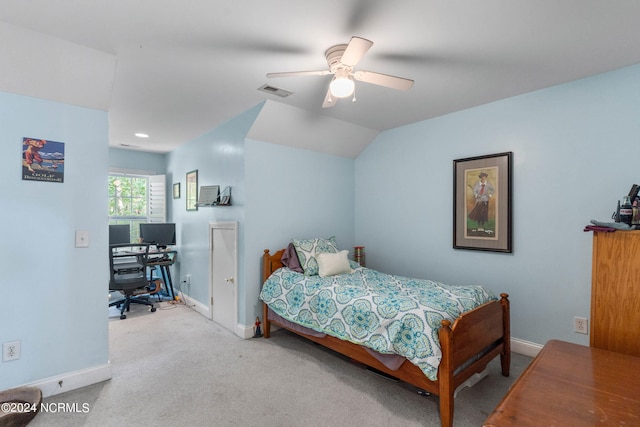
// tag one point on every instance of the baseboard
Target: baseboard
(196, 305)
(525, 348)
(245, 331)
(72, 380)
(471, 381)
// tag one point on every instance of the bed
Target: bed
(464, 344)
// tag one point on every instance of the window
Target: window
(128, 201)
(136, 198)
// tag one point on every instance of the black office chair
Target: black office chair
(128, 270)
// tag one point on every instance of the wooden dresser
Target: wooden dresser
(615, 292)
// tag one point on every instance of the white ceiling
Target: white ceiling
(177, 69)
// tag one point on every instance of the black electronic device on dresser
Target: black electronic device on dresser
(627, 211)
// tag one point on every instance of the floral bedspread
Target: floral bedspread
(390, 314)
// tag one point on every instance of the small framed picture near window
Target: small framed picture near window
(482, 206)
(192, 190)
(176, 190)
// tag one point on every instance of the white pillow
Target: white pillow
(332, 264)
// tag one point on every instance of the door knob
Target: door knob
(229, 279)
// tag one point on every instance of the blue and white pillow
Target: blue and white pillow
(308, 249)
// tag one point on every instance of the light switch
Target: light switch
(82, 239)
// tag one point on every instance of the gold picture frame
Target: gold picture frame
(192, 190)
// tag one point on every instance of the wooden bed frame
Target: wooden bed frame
(484, 330)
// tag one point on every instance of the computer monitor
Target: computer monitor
(158, 233)
(119, 233)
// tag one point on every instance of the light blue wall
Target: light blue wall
(293, 193)
(52, 301)
(576, 153)
(218, 156)
(144, 162)
(270, 203)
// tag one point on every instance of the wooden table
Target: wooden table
(573, 385)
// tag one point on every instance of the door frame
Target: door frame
(233, 226)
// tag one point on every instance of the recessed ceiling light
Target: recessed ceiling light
(141, 135)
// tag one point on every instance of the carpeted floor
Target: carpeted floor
(174, 367)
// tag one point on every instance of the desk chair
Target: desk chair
(128, 275)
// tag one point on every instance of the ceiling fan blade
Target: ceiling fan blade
(386, 80)
(329, 100)
(355, 50)
(300, 73)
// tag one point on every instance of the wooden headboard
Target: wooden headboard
(270, 263)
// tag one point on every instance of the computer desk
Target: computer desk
(156, 258)
(164, 259)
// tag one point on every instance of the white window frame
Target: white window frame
(156, 200)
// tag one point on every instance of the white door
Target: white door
(224, 255)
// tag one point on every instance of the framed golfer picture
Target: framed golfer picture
(482, 205)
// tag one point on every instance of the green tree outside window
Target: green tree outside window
(128, 201)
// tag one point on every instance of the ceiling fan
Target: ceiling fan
(342, 59)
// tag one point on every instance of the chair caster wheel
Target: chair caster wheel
(153, 309)
(123, 316)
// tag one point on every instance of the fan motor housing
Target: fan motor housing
(334, 55)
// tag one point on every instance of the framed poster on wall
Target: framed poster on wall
(42, 160)
(192, 190)
(482, 205)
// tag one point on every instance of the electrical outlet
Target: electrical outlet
(581, 325)
(10, 351)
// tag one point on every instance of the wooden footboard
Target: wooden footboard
(468, 345)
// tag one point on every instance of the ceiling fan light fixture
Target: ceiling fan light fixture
(342, 59)
(342, 86)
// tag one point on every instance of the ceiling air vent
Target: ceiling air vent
(275, 91)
